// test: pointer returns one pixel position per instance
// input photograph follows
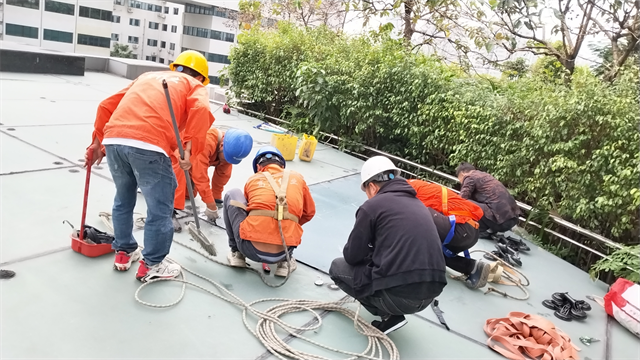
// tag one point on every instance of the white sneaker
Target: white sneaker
(282, 268)
(236, 259)
(163, 270)
(123, 260)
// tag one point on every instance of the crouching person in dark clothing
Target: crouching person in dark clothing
(500, 208)
(393, 262)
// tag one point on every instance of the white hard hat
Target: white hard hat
(374, 166)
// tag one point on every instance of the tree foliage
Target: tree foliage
(121, 51)
(567, 148)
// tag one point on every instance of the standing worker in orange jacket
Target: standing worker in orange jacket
(457, 222)
(135, 127)
(251, 219)
(223, 149)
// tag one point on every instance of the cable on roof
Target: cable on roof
(265, 330)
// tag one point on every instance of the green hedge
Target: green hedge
(572, 149)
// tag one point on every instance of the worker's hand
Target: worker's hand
(212, 215)
(219, 204)
(94, 152)
(185, 164)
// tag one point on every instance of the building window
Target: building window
(163, 44)
(216, 58)
(206, 33)
(30, 4)
(115, 18)
(166, 9)
(207, 10)
(118, 2)
(154, 25)
(59, 36)
(161, 61)
(22, 31)
(172, 46)
(145, 6)
(134, 56)
(151, 58)
(152, 42)
(93, 13)
(174, 28)
(133, 39)
(164, 27)
(176, 11)
(60, 8)
(214, 80)
(97, 41)
(134, 22)
(115, 37)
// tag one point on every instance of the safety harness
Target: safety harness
(452, 220)
(282, 209)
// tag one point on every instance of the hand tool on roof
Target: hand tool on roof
(194, 230)
(436, 309)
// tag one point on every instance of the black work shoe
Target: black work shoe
(176, 225)
(7, 274)
(484, 235)
(392, 323)
(478, 278)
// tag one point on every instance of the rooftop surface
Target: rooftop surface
(64, 305)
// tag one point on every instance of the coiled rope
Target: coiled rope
(265, 330)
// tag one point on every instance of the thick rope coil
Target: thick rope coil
(513, 276)
(265, 330)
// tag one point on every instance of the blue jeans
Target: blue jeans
(152, 172)
(233, 217)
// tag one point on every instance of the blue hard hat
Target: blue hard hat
(236, 146)
(267, 151)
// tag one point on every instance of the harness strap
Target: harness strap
(282, 209)
(519, 334)
(447, 240)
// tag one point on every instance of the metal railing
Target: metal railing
(421, 168)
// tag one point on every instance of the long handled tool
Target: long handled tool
(194, 231)
(86, 198)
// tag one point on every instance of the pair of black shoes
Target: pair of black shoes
(567, 308)
(511, 242)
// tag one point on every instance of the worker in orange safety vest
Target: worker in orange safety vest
(134, 129)
(223, 149)
(251, 218)
(457, 222)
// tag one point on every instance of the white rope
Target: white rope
(265, 330)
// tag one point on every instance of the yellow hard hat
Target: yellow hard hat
(194, 60)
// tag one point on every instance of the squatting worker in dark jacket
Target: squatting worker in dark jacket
(393, 262)
(499, 207)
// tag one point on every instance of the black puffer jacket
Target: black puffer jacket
(394, 242)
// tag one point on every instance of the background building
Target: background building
(80, 26)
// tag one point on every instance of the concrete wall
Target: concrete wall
(59, 22)
(22, 16)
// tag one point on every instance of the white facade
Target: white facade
(81, 26)
(152, 29)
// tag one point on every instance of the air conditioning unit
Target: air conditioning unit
(163, 16)
(170, 52)
(154, 53)
(134, 46)
(160, 49)
(129, 10)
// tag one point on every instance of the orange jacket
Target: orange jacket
(431, 196)
(260, 195)
(200, 168)
(140, 112)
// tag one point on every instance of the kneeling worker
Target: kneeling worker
(393, 262)
(223, 149)
(499, 207)
(251, 219)
(456, 221)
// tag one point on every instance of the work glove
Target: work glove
(212, 215)
(219, 204)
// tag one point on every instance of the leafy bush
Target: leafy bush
(624, 263)
(569, 148)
